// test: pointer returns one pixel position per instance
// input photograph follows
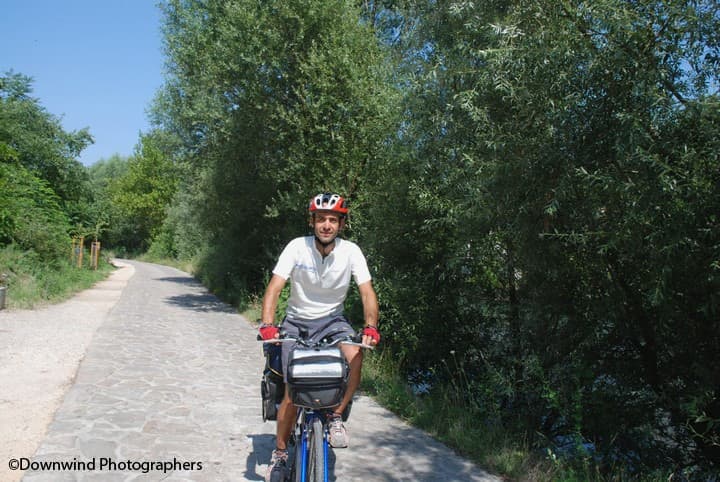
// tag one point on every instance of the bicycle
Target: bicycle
(317, 377)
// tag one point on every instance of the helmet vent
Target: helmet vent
(330, 202)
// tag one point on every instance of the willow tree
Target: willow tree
(275, 101)
(559, 180)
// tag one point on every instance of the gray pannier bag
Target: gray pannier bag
(317, 377)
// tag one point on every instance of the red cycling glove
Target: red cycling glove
(268, 332)
(372, 332)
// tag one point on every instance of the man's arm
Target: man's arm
(370, 308)
(270, 299)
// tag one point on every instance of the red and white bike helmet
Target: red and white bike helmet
(329, 202)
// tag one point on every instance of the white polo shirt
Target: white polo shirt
(318, 286)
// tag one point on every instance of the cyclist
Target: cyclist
(319, 268)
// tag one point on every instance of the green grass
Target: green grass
(253, 309)
(32, 282)
(444, 415)
(462, 425)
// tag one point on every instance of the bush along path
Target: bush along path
(169, 390)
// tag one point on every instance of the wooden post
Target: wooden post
(76, 247)
(81, 245)
(94, 254)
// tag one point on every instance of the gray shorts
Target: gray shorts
(330, 327)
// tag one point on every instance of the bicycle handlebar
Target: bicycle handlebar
(343, 341)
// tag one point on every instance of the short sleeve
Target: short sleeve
(360, 270)
(286, 261)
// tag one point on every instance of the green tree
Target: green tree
(42, 146)
(274, 102)
(30, 214)
(554, 159)
(140, 197)
(43, 186)
(106, 216)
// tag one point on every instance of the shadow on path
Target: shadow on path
(203, 303)
(186, 280)
(262, 446)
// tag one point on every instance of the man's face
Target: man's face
(327, 225)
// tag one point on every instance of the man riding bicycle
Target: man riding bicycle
(319, 268)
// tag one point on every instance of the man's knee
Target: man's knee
(353, 355)
(286, 406)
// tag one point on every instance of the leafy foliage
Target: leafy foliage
(268, 116)
(30, 214)
(547, 216)
(42, 186)
(40, 144)
(115, 230)
(142, 194)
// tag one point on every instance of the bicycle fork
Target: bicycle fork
(304, 446)
(303, 456)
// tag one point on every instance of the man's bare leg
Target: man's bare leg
(354, 357)
(285, 420)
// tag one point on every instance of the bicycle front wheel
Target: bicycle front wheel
(299, 465)
(316, 462)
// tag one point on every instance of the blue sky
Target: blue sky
(95, 64)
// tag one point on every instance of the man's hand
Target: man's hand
(269, 332)
(370, 335)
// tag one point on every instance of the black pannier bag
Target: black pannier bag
(272, 386)
(317, 377)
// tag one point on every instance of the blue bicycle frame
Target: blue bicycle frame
(303, 447)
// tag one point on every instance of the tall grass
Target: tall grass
(450, 415)
(443, 413)
(33, 282)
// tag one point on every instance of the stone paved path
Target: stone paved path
(172, 375)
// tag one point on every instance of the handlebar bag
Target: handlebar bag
(317, 377)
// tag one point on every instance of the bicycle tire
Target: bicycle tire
(296, 472)
(316, 455)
